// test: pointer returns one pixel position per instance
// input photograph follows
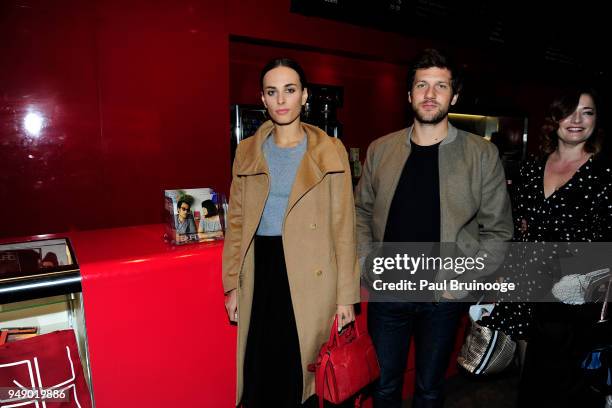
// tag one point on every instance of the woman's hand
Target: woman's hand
(231, 305)
(346, 315)
(523, 227)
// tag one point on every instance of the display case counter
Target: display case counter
(157, 329)
(40, 293)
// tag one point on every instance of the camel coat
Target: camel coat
(318, 240)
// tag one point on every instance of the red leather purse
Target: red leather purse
(345, 365)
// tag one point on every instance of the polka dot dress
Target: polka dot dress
(578, 211)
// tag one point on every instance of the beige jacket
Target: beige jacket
(318, 239)
(474, 203)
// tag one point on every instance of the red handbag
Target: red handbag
(345, 365)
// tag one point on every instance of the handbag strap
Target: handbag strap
(334, 340)
(320, 379)
(604, 308)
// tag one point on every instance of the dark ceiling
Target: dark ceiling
(530, 39)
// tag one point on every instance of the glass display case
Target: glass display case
(40, 293)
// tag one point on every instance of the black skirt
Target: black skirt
(272, 365)
(561, 336)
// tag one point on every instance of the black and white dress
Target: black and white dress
(559, 335)
(579, 211)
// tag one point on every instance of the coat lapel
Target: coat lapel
(254, 161)
(321, 158)
(255, 168)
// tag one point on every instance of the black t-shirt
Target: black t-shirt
(414, 215)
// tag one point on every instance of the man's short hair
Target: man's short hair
(430, 58)
(178, 205)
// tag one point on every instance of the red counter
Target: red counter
(156, 324)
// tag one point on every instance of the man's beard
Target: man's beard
(437, 118)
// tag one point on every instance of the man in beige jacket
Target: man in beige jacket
(428, 183)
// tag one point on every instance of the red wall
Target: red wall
(135, 98)
(48, 66)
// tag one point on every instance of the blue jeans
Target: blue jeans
(434, 326)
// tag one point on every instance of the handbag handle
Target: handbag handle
(349, 334)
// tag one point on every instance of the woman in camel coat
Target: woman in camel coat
(289, 262)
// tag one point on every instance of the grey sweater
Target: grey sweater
(283, 164)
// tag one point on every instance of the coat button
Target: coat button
(319, 272)
(313, 226)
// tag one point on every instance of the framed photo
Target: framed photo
(194, 215)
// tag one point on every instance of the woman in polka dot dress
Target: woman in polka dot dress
(562, 197)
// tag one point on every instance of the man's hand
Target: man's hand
(346, 315)
(231, 305)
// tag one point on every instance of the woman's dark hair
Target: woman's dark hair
(284, 62)
(211, 208)
(52, 258)
(432, 58)
(561, 108)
